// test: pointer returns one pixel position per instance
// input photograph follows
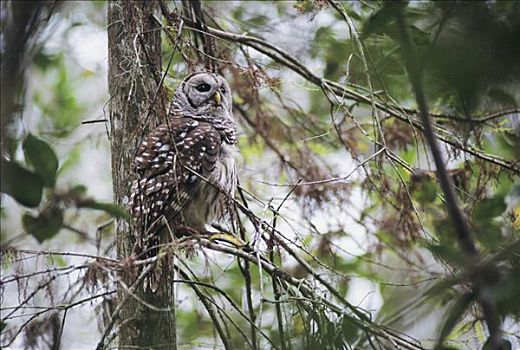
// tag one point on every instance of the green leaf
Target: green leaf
(440, 288)
(510, 251)
(21, 184)
(46, 225)
(111, 208)
(78, 190)
(504, 294)
(425, 190)
(445, 230)
(2, 326)
(57, 260)
(502, 97)
(41, 156)
(258, 21)
(489, 208)
(349, 328)
(449, 254)
(72, 159)
(61, 106)
(44, 61)
(489, 234)
(377, 22)
(454, 315)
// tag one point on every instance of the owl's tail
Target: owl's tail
(155, 246)
(150, 245)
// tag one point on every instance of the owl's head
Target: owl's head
(204, 94)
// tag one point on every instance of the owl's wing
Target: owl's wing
(168, 162)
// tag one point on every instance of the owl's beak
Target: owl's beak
(218, 98)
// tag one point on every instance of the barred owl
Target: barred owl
(185, 167)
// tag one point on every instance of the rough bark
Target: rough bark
(134, 48)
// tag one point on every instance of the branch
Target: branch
(461, 226)
(64, 307)
(341, 92)
(308, 292)
(115, 315)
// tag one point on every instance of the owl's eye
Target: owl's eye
(203, 87)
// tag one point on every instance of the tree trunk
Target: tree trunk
(134, 53)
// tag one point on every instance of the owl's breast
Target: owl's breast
(225, 173)
(212, 199)
(225, 179)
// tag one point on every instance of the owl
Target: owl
(185, 167)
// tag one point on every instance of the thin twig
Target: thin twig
(341, 91)
(94, 121)
(115, 315)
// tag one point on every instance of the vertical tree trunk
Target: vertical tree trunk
(134, 49)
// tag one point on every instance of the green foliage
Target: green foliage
(425, 189)
(27, 186)
(45, 61)
(61, 106)
(250, 150)
(445, 231)
(487, 230)
(110, 208)
(479, 38)
(46, 225)
(504, 292)
(489, 208)
(22, 184)
(378, 22)
(72, 159)
(456, 313)
(43, 159)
